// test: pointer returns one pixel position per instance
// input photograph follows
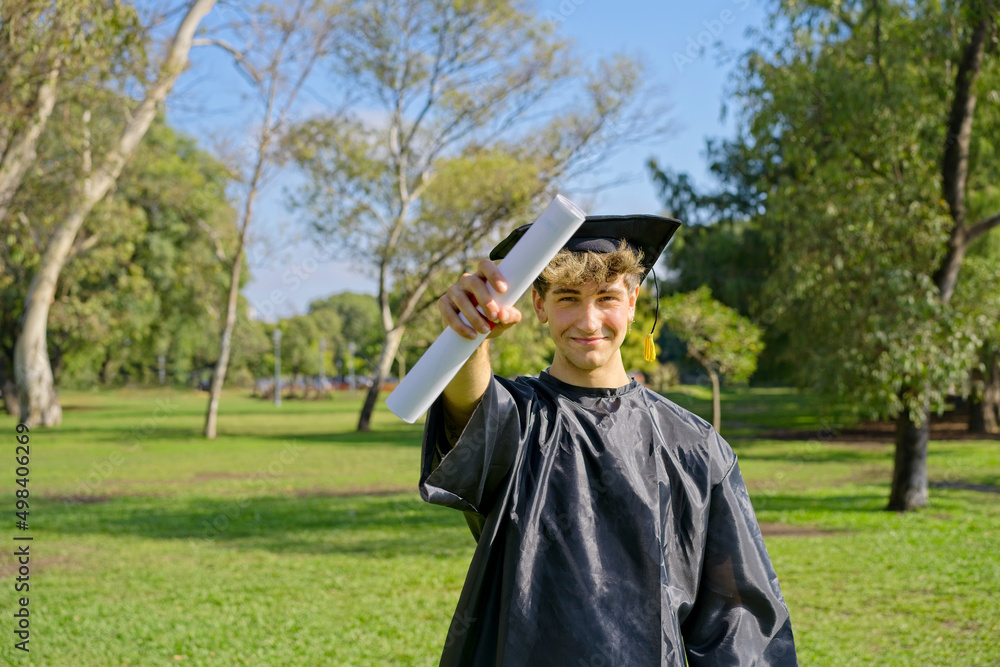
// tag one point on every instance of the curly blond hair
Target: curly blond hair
(574, 268)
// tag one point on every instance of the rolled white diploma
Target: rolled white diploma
(443, 359)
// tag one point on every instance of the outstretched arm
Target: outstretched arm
(465, 391)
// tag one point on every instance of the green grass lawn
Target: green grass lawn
(293, 540)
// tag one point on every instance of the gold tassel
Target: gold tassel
(650, 354)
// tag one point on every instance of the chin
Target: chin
(589, 362)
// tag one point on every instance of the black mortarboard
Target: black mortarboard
(603, 233)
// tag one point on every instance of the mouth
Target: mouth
(588, 340)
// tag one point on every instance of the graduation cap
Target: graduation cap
(647, 234)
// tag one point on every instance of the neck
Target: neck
(610, 376)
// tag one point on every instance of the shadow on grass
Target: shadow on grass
(391, 525)
(855, 504)
(87, 436)
(126, 435)
(808, 452)
(391, 437)
(365, 525)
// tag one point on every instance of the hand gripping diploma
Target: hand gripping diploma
(524, 259)
(468, 307)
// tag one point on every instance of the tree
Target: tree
(143, 279)
(722, 245)
(188, 222)
(43, 44)
(866, 108)
(329, 328)
(977, 292)
(728, 244)
(283, 45)
(358, 318)
(32, 370)
(723, 342)
(456, 154)
(299, 346)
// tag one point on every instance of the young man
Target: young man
(613, 526)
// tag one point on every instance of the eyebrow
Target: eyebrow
(570, 290)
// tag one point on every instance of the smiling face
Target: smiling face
(588, 323)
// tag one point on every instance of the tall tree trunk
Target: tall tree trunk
(268, 80)
(984, 407)
(105, 373)
(955, 164)
(32, 370)
(991, 397)
(401, 365)
(21, 152)
(10, 403)
(975, 421)
(909, 476)
(716, 401)
(225, 345)
(392, 341)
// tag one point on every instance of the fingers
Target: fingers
(510, 317)
(459, 300)
(471, 290)
(491, 272)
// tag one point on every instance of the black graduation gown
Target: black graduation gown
(613, 528)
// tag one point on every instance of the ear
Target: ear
(539, 303)
(633, 297)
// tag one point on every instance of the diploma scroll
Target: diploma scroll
(443, 359)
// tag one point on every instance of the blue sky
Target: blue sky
(288, 273)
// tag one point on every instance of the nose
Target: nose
(591, 318)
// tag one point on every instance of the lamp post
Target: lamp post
(351, 347)
(277, 367)
(322, 364)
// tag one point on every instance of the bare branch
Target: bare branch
(32, 232)
(246, 67)
(82, 246)
(20, 154)
(983, 226)
(220, 252)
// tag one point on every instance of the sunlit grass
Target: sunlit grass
(293, 540)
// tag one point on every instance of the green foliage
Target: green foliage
(732, 258)
(355, 319)
(727, 244)
(300, 345)
(92, 39)
(145, 279)
(717, 337)
(847, 106)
